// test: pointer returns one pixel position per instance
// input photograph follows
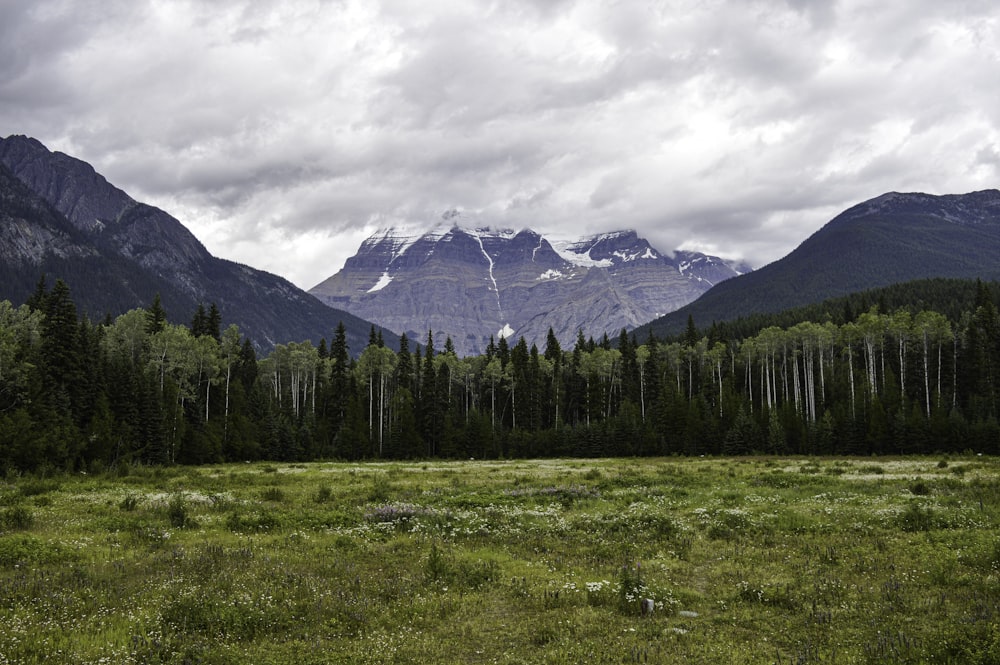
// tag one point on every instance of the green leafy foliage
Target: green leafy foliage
(141, 390)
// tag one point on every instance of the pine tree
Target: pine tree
(36, 300)
(553, 352)
(199, 323)
(690, 333)
(60, 361)
(340, 373)
(213, 323)
(404, 367)
(156, 316)
(430, 413)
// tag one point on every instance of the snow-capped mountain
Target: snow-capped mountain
(472, 284)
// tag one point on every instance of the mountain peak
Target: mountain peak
(979, 207)
(892, 238)
(65, 219)
(469, 281)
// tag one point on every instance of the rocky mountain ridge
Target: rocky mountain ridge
(892, 238)
(66, 220)
(474, 283)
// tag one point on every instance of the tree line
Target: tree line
(75, 394)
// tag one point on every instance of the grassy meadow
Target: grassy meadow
(670, 560)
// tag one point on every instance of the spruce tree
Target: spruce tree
(339, 379)
(552, 350)
(404, 366)
(156, 316)
(690, 333)
(213, 323)
(429, 407)
(36, 300)
(199, 323)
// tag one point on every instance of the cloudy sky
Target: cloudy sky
(283, 133)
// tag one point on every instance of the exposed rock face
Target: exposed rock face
(473, 284)
(30, 228)
(65, 219)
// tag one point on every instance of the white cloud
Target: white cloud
(282, 133)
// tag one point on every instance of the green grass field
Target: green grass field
(748, 560)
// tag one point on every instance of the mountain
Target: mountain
(474, 283)
(62, 218)
(889, 239)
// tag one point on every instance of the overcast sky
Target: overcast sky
(284, 133)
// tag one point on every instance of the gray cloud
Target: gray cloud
(282, 133)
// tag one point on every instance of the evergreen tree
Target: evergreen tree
(553, 352)
(213, 323)
(199, 323)
(429, 401)
(503, 352)
(61, 359)
(690, 333)
(404, 366)
(156, 316)
(36, 301)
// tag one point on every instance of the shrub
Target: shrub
(16, 518)
(273, 494)
(915, 518)
(436, 567)
(129, 503)
(17, 550)
(177, 512)
(381, 488)
(258, 522)
(39, 486)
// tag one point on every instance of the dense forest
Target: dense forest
(75, 394)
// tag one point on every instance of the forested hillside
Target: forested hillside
(891, 239)
(74, 394)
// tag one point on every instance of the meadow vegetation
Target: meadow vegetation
(653, 560)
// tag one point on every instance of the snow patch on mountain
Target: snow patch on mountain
(398, 241)
(493, 278)
(383, 282)
(570, 251)
(632, 256)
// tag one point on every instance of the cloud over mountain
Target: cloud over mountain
(729, 127)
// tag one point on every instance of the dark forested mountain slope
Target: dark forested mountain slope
(36, 239)
(889, 239)
(117, 253)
